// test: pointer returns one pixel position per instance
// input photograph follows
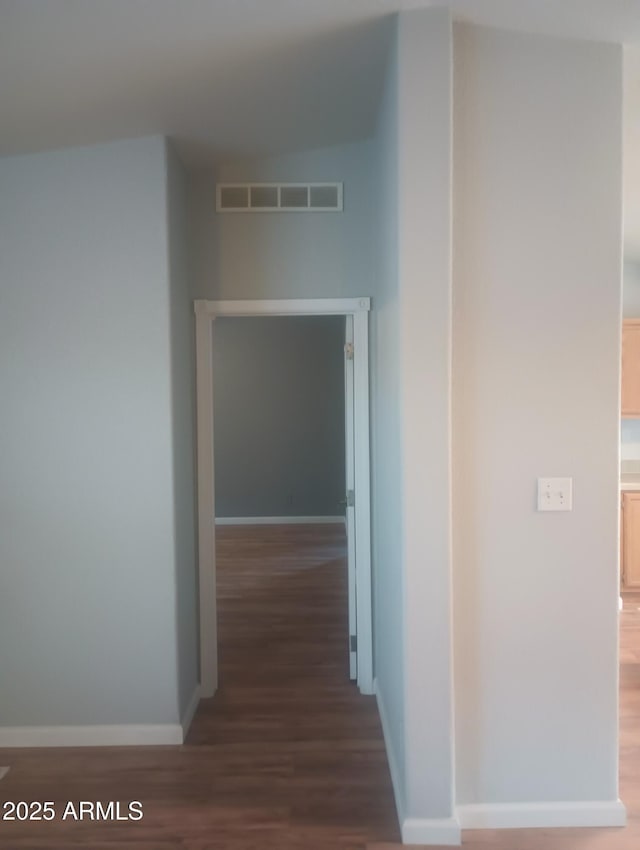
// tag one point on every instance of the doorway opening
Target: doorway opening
(356, 491)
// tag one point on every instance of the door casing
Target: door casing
(206, 313)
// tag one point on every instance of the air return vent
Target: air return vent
(279, 197)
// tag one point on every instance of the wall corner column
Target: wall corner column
(425, 69)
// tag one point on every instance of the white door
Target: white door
(350, 520)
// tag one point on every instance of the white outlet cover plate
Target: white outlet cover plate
(555, 494)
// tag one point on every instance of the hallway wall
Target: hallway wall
(88, 630)
(279, 416)
(537, 297)
(287, 255)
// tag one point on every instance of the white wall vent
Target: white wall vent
(279, 197)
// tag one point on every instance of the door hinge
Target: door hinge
(349, 501)
(348, 350)
(353, 643)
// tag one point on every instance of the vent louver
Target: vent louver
(278, 197)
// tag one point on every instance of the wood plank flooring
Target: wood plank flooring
(288, 755)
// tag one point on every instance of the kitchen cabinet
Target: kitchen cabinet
(631, 368)
(630, 524)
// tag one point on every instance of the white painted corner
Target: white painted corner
(441, 831)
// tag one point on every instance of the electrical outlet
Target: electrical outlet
(555, 494)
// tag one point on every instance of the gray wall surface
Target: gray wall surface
(631, 289)
(386, 466)
(87, 576)
(287, 255)
(183, 424)
(279, 416)
(537, 257)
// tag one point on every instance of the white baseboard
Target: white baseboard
(544, 815)
(279, 520)
(441, 831)
(189, 713)
(391, 756)
(90, 736)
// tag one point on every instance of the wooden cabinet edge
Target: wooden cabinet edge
(621, 544)
(630, 411)
(628, 540)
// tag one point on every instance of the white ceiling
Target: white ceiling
(227, 76)
(223, 75)
(248, 77)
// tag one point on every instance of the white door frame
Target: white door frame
(206, 312)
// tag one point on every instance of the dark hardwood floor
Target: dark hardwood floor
(288, 755)
(285, 697)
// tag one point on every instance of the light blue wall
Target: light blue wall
(386, 438)
(279, 416)
(87, 577)
(287, 255)
(183, 424)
